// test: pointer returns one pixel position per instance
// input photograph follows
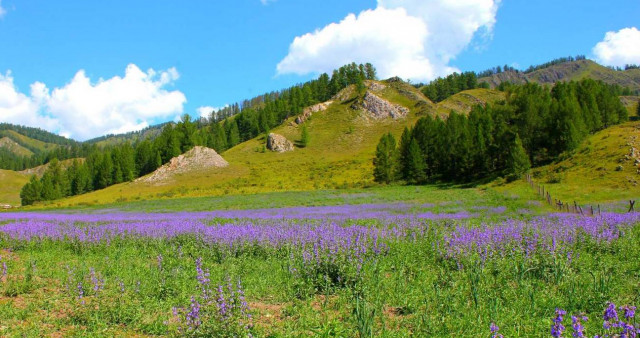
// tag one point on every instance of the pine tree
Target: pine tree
(403, 152)
(385, 162)
(31, 192)
(518, 162)
(415, 166)
(304, 137)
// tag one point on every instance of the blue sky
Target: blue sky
(211, 53)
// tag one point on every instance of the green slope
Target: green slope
(14, 147)
(601, 169)
(464, 101)
(10, 184)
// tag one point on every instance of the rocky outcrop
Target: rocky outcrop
(278, 143)
(379, 108)
(198, 158)
(306, 114)
(376, 86)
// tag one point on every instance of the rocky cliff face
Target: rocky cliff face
(306, 114)
(379, 108)
(279, 143)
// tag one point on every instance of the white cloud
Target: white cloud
(2, 10)
(619, 48)
(82, 109)
(414, 39)
(205, 111)
(266, 2)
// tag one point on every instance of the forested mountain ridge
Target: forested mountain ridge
(568, 71)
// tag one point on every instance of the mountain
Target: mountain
(568, 71)
(150, 132)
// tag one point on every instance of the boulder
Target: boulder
(278, 143)
(198, 158)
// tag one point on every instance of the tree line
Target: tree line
(533, 126)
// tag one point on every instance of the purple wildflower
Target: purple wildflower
(557, 328)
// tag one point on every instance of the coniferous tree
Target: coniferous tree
(403, 153)
(518, 163)
(385, 161)
(31, 192)
(415, 166)
(304, 137)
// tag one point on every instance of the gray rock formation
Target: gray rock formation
(279, 143)
(380, 108)
(306, 114)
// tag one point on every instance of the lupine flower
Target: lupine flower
(610, 317)
(494, 331)
(557, 328)
(576, 324)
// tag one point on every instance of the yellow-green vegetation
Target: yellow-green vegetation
(464, 101)
(28, 141)
(339, 155)
(602, 169)
(14, 147)
(10, 184)
(631, 103)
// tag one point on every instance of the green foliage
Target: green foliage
(518, 162)
(385, 163)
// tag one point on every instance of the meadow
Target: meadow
(397, 261)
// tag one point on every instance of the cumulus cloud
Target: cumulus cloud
(619, 48)
(414, 39)
(83, 109)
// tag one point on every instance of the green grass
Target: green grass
(410, 291)
(10, 184)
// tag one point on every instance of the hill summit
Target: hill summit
(198, 158)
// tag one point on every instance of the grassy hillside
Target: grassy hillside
(463, 102)
(39, 170)
(343, 142)
(14, 147)
(28, 142)
(603, 168)
(10, 184)
(569, 71)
